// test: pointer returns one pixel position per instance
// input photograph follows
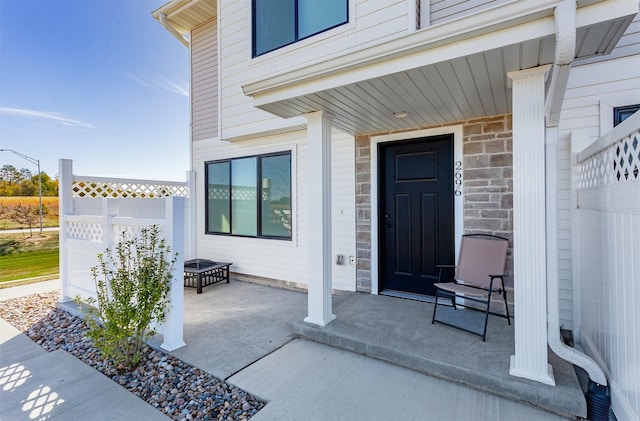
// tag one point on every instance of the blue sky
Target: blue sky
(97, 81)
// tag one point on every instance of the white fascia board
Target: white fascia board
(505, 25)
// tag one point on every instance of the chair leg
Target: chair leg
(506, 306)
(435, 307)
(486, 318)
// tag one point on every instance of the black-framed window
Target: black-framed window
(620, 114)
(249, 196)
(277, 23)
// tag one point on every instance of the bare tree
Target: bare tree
(25, 215)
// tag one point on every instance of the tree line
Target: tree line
(22, 182)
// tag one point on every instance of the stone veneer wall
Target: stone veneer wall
(487, 187)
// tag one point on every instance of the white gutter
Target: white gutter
(565, 18)
(162, 18)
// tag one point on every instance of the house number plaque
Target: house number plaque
(457, 179)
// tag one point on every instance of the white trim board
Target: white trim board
(458, 200)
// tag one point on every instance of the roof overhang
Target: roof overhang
(441, 73)
(180, 17)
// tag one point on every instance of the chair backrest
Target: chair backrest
(480, 257)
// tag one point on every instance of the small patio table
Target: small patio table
(203, 272)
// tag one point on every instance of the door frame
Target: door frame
(458, 205)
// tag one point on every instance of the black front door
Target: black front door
(416, 216)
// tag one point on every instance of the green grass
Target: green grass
(28, 257)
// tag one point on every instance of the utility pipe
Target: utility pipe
(565, 20)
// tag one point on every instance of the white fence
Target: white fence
(95, 212)
(607, 260)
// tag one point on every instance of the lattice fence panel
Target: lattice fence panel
(116, 189)
(617, 164)
(132, 231)
(83, 230)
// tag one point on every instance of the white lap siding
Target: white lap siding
(280, 259)
(370, 23)
(204, 81)
(444, 10)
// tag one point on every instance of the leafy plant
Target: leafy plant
(132, 284)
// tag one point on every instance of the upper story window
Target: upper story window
(277, 23)
(249, 196)
(620, 114)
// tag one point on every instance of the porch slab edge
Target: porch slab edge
(567, 405)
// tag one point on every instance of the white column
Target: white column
(529, 252)
(65, 207)
(319, 213)
(172, 328)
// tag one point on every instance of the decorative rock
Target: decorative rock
(162, 380)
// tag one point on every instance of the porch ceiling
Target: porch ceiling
(461, 88)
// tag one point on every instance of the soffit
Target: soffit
(185, 15)
(462, 88)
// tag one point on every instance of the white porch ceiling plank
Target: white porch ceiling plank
(417, 98)
(498, 78)
(595, 39)
(443, 113)
(446, 99)
(482, 81)
(512, 62)
(360, 115)
(530, 54)
(460, 92)
(379, 108)
(350, 118)
(547, 51)
(285, 109)
(345, 116)
(394, 99)
(465, 78)
(298, 107)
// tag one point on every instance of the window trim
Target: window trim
(617, 112)
(259, 158)
(296, 24)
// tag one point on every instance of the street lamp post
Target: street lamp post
(37, 162)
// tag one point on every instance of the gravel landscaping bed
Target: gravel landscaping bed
(179, 390)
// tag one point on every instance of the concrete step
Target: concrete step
(400, 332)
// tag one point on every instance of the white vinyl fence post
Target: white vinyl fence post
(65, 207)
(172, 327)
(190, 218)
(109, 210)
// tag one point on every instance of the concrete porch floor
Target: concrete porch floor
(400, 331)
(230, 329)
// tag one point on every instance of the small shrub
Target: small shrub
(132, 285)
(8, 246)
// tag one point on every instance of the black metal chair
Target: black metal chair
(479, 276)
